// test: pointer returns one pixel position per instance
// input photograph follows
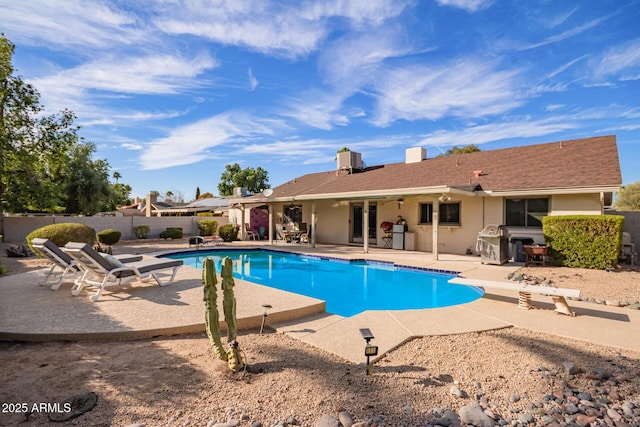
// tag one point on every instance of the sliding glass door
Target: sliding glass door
(357, 223)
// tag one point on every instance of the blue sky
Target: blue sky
(172, 91)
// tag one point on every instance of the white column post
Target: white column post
(434, 236)
(270, 224)
(313, 224)
(365, 226)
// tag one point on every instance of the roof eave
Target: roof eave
(553, 191)
(378, 194)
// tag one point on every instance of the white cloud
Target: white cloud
(465, 88)
(565, 66)
(269, 28)
(468, 5)
(62, 24)
(353, 60)
(499, 131)
(273, 28)
(554, 21)
(253, 82)
(133, 147)
(554, 107)
(192, 143)
(622, 61)
(371, 12)
(154, 74)
(319, 109)
(88, 88)
(568, 33)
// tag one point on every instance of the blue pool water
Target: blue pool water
(348, 287)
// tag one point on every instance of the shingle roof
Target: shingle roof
(580, 163)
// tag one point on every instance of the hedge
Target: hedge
(584, 241)
(207, 227)
(61, 234)
(228, 232)
(172, 233)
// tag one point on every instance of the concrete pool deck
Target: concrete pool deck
(30, 312)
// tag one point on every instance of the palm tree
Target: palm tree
(117, 176)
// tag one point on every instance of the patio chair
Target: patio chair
(250, 234)
(304, 233)
(47, 249)
(282, 233)
(107, 271)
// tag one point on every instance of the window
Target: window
(449, 213)
(293, 213)
(526, 212)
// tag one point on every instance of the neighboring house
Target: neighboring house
(217, 205)
(152, 207)
(446, 201)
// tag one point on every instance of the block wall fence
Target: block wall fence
(16, 228)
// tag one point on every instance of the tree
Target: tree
(255, 180)
(44, 165)
(19, 106)
(206, 195)
(88, 181)
(197, 193)
(117, 176)
(628, 198)
(173, 196)
(472, 148)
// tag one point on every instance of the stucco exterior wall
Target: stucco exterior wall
(333, 221)
(576, 204)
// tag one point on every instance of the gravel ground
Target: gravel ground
(519, 377)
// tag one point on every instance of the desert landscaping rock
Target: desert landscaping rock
(474, 415)
(328, 421)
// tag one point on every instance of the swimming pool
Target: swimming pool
(348, 287)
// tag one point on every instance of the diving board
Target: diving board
(525, 290)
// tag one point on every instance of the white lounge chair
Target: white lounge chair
(106, 271)
(47, 249)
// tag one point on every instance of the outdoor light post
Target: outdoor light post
(369, 349)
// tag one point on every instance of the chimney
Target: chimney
(415, 155)
(151, 198)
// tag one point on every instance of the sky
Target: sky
(171, 91)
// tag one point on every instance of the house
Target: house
(152, 207)
(447, 200)
(215, 205)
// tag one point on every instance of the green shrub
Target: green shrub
(172, 233)
(141, 231)
(109, 236)
(228, 232)
(584, 241)
(61, 234)
(207, 227)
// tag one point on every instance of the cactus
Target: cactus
(229, 306)
(212, 318)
